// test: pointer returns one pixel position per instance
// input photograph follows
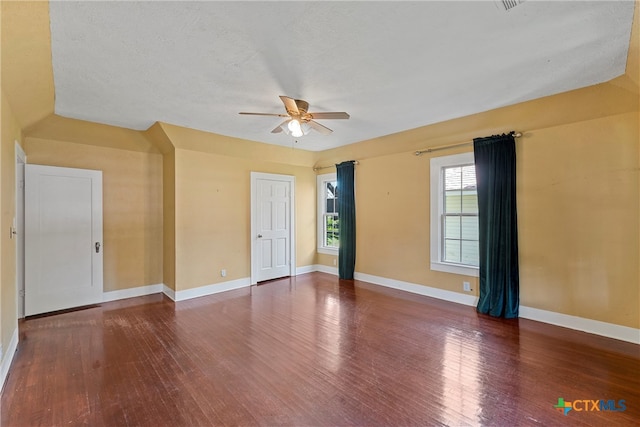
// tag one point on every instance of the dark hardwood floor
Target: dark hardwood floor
(311, 351)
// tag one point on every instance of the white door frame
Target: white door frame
(255, 176)
(21, 160)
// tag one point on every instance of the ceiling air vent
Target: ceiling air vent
(506, 5)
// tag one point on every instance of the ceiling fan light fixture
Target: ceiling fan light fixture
(295, 128)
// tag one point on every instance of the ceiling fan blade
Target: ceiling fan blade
(279, 128)
(320, 128)
(265, 114)
(290, 104)
(332, 115)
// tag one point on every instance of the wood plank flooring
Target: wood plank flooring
(311, 351)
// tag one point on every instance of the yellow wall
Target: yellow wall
(89, 133)
(213, 223)
(10, 133)
(578, 198)
(132, 203)
(27, 71)
(207, 191)
(158, 203)
(157, 136)
(195, 140)
(169, 218)
(578, 219)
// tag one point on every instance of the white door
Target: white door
(272, 213)
(63, 238)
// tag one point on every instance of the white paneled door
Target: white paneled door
(63, 238)
(272, 214)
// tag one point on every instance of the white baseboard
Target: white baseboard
(610, 330)
(233, 284)
(208, 289)
(131, 292)
(317, 267)
(169, 292)
(326, 269)
(622, 333)
(418, 289)
(10, 351)
(306, 269)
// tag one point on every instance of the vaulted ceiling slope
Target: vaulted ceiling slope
(392, 65)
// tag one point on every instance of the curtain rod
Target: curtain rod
(317, 168)
(459, 144)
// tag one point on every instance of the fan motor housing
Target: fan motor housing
(303, 107)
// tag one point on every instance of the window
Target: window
(454, 215)
(328, 223)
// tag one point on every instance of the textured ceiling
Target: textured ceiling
(392, 66)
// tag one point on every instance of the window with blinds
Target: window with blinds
(453, 220)
(331, 222)
(460, 216)
(328, 221)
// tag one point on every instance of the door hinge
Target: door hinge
(21, 292)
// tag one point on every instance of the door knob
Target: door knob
(259, 236)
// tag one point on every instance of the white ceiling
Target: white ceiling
(392, 66)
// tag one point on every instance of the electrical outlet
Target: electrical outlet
(335, 261)
(223, 273)
(466, 286)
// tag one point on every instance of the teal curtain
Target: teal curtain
(495, 162)
(347, 220)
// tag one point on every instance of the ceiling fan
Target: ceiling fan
(299, 121)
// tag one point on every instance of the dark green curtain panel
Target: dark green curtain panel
(495, 160)
(347, 220)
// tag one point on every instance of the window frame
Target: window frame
(321, 181)
(437, 166)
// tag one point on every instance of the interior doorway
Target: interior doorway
(63, 238)
(272, 226)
